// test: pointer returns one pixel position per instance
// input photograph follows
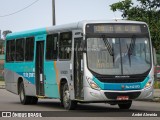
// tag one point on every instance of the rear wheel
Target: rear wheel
(67, 102)
(23, 98)
(125, 105)
(33, 100)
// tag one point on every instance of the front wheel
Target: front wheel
(125, 105)
(67, 102)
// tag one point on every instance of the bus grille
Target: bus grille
(121, 80)
(114, 95)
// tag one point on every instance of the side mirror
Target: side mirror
(154, 56)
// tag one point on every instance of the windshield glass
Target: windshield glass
(119, 56)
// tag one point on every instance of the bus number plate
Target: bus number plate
(122, 97)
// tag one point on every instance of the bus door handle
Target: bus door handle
(42, 77)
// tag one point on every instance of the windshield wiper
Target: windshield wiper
(107, 44)
(131, 48)
(109, 47)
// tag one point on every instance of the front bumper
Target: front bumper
(111, 95)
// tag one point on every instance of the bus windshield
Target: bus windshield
(118, 56)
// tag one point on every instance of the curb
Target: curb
(2, 86)
(156, 99)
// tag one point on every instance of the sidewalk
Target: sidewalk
(156, 95)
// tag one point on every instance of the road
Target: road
(10, 102)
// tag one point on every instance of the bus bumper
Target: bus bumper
(108, 95)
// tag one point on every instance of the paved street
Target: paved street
(10, 102)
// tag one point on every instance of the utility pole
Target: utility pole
(53, 12)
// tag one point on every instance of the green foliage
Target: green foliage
(1, 78)
(147, 11)
(158, 59)
(157, 85)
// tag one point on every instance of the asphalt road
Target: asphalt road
(10, 102)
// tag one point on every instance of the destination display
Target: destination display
(116, 28)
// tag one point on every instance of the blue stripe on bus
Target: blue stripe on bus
(24, 34)
(30, 77)
(118, 86)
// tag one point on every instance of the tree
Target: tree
(5, 33)
(147, 11)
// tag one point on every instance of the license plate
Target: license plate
(122, 97)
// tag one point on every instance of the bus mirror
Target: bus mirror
(154, 56)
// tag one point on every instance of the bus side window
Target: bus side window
(29, 49)
(51, 47)
(10, 51)
(65, 45)
(20, 49)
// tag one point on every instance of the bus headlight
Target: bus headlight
(149, 83)
(92, 84)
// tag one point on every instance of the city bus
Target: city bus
(84, 62)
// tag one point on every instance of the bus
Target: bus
(84, 62)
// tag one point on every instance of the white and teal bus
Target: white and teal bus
(85, 62)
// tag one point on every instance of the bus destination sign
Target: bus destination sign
(117, 28)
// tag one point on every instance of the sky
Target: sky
(39, 15)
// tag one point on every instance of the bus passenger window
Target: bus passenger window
(29, 49)
(10, 51)
(65, 45)
(51, 47)
(20, 49)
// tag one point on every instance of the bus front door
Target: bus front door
(39, 68)
(78, 72)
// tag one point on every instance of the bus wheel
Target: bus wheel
(67, 102)
(125, 105)
(34, 100)
(23, 98)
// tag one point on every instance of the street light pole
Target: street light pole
(53, 12)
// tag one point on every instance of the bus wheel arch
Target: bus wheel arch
(67, 103)
(62, 83)
(22, 95)
(24, 99)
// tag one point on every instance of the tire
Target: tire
(23, 98)
(68, 104)
(33, 100)
(125, 105)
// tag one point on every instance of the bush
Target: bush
(158, 59)
(1, 78)
(157, 85)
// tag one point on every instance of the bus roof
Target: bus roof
(65, 27)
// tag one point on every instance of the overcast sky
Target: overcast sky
(40, 14)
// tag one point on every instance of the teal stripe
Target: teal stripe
(118, 86)
(26, 33)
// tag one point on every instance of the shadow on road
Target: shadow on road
(86, 107)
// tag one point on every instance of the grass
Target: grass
(157, 84)
(1, 79)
